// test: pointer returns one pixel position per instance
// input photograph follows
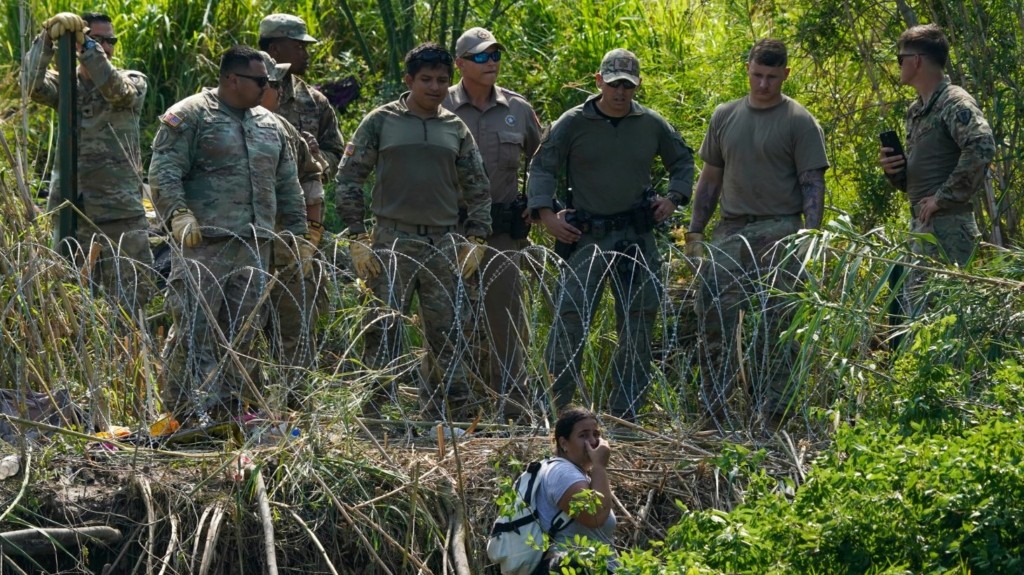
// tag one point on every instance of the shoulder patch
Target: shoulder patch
(964, 116)
(350, 149)
(171, 119)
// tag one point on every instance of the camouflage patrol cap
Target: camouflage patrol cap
(285, 26)
(276, 72)
(474, 41)
(620, 64)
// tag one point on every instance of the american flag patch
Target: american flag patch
(350, 149)
(171, 120)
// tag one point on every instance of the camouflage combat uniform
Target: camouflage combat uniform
(109, 167)
(608, 166)
(762, 152)
(507, 133)
(237, 174)
(949, 145)
(296, 299)
(425, 169)
(309, 111)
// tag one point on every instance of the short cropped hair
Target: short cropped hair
(91, 17)
(265, 43)
(236, 59)
(428, 55)
(769, 52)
(927, 39)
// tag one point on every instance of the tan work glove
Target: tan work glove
(470, 255)
(694, 246)
(316, 232)
(185, 228)
(66, 23)
(363, 259)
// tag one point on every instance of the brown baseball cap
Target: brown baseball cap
(474, 41)
(285, 26)
(620, 64)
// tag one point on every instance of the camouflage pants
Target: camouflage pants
(629, 262)
(296, 303)
(742, 269)
(215, 287)
(957, 236)
(499, 331)
(123, 267)
(420, 265)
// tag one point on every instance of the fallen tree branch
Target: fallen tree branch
(30, 542)
(24, 485)
(268, 523)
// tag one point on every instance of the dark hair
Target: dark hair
(265, 43)
(91, 17)
(568, 418)
(769, 52)
(928, 39)
(428, 55)
(236, 59)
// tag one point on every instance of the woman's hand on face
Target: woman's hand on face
(601, 454)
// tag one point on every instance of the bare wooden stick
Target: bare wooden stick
(171, 545)
(147, 499)
(212, 533)
(268, 523)
(30, 542)
(195, 543)
(460, 561)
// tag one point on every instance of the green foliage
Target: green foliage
(879, 500)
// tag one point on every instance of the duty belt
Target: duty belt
(751, 219)
(422, 230)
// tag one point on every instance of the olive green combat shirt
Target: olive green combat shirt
(309, 168)
(234, 174)
(109, 156)
(308, 110)
(506, 132)
(608, 166)
(426, 169)
(949, 143)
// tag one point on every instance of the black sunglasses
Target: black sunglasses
(275, 84)
(112, 40)
(261, 81)
(621, 84)
(433, 55)
(483, 57)
(900, 57)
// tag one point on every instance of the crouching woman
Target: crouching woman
(582, 464)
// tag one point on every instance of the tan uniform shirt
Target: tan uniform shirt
(763, 152)
(507, 132)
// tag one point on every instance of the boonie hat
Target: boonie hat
(620, 64)
(285, 26)
(474, 41)
(275, 71)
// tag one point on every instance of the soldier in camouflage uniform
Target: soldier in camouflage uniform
(764, 160)
(507, 132)
(286, 39)
(222, 175)
(949, 145)
(109, 158)
(427, 165)
(606, 147)
(295, 299)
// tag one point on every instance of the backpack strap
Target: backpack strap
(562, 520)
